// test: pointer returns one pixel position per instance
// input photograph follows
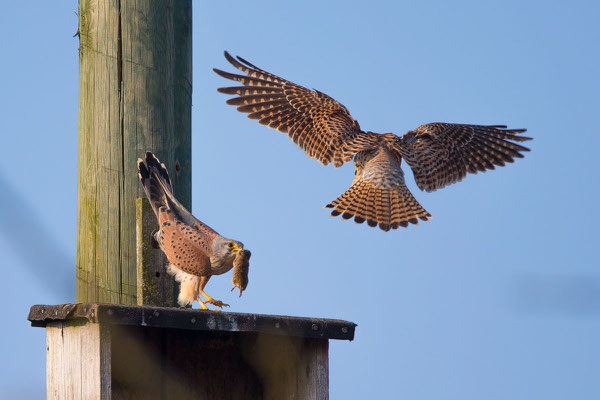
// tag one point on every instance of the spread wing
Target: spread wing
(317, 123)
(441, 154)
(187, 248)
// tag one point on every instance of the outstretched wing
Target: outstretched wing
(318, 124)
(441, 154)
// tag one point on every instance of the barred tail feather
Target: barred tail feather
(152, 188)
(159, 178)
(389, 208)
(159, 171)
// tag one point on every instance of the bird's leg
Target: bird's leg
(203, 282)
(202, 305)
(209, 300)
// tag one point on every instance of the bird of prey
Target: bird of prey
(194, 250)
(439, 154)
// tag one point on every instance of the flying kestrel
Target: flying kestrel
(194, 250)
(439, 154)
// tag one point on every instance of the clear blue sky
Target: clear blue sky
(498, 297)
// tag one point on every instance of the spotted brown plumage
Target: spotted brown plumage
(439, 154)
(194, 250)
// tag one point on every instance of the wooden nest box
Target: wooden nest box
(110, 351)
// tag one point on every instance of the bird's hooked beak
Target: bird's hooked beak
(237, 247)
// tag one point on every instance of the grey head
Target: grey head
(225, 249)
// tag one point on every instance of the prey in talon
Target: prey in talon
(194, 250)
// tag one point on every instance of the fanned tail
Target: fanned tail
(387, 207)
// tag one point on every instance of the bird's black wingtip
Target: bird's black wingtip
(229, 57)
(222, 73)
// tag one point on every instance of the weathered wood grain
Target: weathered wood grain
(322, 369)
(135, 85)
(153, 287)
(78, 361)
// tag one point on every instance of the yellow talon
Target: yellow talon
(202, 305)
(210, 300)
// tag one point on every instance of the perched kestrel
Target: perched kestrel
(194, 250)
(439, 154)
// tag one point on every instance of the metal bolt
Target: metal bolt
(156, 314)
(345, 330)
(109, 312)
(276, 324)
(315, 327)
(193, 320)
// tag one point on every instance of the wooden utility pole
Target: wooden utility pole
(135, 94)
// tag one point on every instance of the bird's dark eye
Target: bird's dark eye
(230, 245)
